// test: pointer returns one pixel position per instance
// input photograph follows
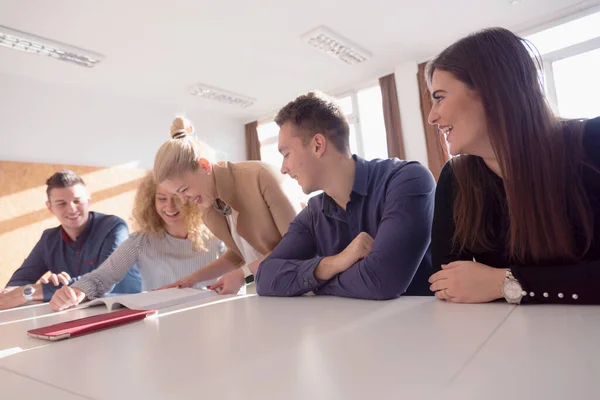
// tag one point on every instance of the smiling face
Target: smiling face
(169, 208)
(70, 205)
(196, 187)
(459, 114)
(300, 161)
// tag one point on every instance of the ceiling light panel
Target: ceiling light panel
(28, 43)
(336, 46)
(223, 96)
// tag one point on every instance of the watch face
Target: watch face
(28, 291)
(512, 290)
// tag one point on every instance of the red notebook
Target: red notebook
(78, 327)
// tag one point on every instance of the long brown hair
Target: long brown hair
(544, 193)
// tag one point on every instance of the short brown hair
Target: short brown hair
(316, 113)
(63, 179)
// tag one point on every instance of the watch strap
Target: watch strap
(248, 275)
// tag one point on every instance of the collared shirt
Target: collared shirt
(56, 252)
(392, 201)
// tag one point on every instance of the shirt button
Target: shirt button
(560, 295)
(310, 281)
(575, 297)
(545, 294)
(305, 283)
(531, 294)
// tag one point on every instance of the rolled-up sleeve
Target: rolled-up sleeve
(289, 269)
(401, 242)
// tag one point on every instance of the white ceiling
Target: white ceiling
(156, 49)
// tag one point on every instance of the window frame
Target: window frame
(354, 118)
(549, 58)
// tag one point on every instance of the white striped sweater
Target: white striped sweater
(161, 260)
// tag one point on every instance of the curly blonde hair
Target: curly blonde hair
(146, 219)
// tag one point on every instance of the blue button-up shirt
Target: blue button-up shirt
(392, 201)
(56, 252)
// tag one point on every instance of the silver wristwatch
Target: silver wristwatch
(511, 289)
(28, 292)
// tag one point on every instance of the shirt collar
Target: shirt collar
(225, 183)
(83, 234)
(360, 185)
(327, 204)
(361, 176)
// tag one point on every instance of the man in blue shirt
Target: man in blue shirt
(367, 236)
(79, 245)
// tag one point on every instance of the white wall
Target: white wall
(50, 123)
(410, 112)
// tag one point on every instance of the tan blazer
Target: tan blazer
(254, 190)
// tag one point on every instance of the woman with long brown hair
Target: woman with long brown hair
(517, 208)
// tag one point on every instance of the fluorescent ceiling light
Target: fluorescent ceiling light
(335, 45)
(221, 95)
(44, 47)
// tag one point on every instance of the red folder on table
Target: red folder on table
(78, 327)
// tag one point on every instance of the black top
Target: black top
(552, 282)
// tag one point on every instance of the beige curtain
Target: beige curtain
(252, 142)
(437, 152)
(391, 115)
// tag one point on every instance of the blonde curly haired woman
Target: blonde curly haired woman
(170, 242)
(243, 204)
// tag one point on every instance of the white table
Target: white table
(15, 323)
(19, 387)
(25, 312)
(541, 352)
(272, 348)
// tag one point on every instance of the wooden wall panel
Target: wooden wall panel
(23, 212)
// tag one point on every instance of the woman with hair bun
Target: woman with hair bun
(243, 204)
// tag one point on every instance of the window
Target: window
(577, 84)
(372, 123)
(364, 110)
(267, 136)
(571, 59)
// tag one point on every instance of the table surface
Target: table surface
(15, 386)
(540, 352)
(15, 323)
(271, 348)
(312, 347)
